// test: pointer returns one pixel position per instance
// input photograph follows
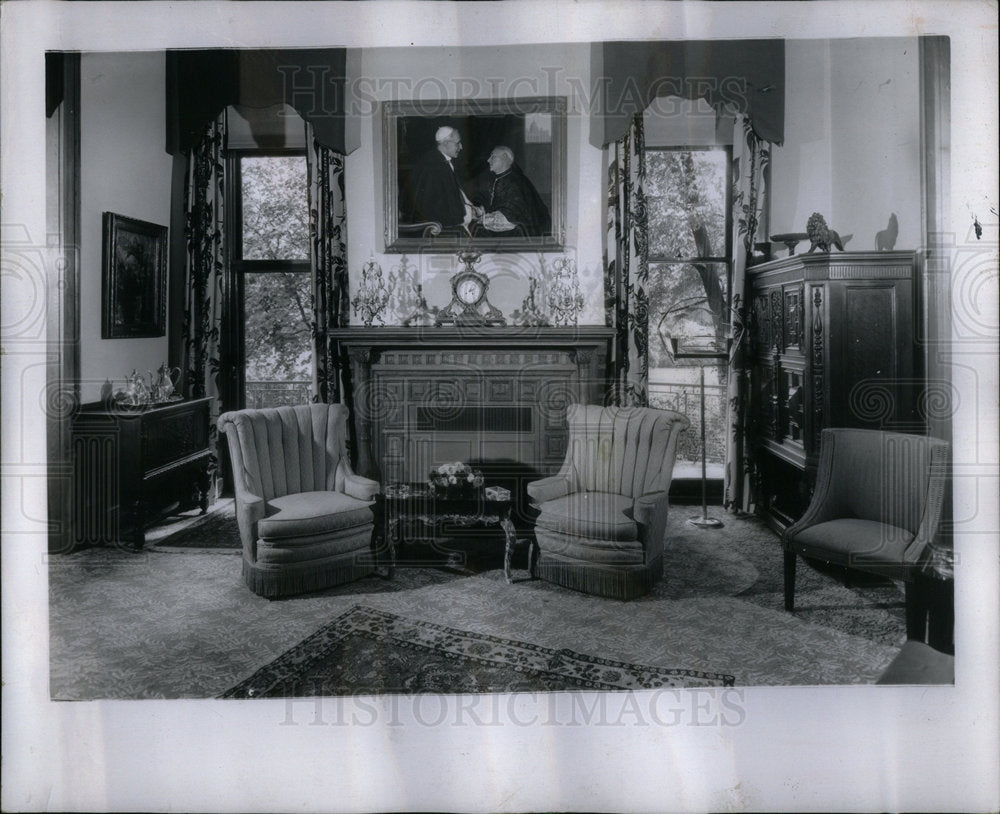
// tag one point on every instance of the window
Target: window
(271, 290)
(690, 229)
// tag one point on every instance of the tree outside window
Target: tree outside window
(276, 281)
(687, 199)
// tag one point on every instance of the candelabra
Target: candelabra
(530, 316)
(372, 296)
(402, 287)
(565, 301)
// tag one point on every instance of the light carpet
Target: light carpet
(167, 625)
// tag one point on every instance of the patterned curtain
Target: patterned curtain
(328, 257)
(751, 156)
(205, 264)
(626, 265)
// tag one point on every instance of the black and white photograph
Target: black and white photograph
(526, 406)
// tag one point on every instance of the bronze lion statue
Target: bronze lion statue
(821, 236)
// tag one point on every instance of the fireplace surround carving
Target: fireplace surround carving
(421, 396)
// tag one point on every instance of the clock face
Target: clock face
(469, 290)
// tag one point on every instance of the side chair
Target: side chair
(876, 506)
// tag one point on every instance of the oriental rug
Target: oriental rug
(373, 652)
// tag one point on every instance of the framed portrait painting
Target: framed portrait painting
(134, 283)
(489, 175)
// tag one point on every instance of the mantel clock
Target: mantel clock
(469, 302)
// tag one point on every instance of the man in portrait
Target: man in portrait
(506, 200)
(438, 193)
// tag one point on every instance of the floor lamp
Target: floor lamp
(703, 521)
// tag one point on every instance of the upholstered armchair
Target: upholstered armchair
(876, 505)
(602, 518)
(305, 518)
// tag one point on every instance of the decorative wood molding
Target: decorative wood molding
(817, 366)
(834, 265)
(461, 371)
(857, 272)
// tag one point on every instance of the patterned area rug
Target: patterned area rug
(370, 651)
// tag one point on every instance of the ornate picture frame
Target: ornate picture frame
(134, 280)
(533, 128)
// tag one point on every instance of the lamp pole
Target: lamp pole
(703, 354)
(704, 521)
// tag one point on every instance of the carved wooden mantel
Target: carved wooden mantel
(417, 393)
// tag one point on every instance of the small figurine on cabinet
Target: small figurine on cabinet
(822, 237)
(885, 240)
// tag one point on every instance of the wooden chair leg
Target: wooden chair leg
(790, 581)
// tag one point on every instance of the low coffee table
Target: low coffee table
(402, 504)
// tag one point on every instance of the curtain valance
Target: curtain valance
(201, 83)
(746, 77)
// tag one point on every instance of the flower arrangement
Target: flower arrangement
(455, 477)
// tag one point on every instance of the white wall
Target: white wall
(851, 151)
(852, 139)
(481, 73)
(851, 147)
(124, 169)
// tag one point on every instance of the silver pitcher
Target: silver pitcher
(166, 382)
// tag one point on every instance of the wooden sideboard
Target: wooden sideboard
(833, 343)
(128, 464)
(422, 396)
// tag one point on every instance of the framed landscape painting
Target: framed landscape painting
(481, 174)
(134, 280)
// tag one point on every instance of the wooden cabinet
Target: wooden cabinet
(832, 339)
(128, 465)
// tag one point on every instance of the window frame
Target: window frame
(654, 259)
(233, 387)
(727, 259)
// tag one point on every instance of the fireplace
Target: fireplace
(494, 397)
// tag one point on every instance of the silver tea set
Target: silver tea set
(158, 389)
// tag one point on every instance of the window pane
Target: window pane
(679, 389)
(686, 203)
(688, 301)
(278, 338)
(275, 208)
